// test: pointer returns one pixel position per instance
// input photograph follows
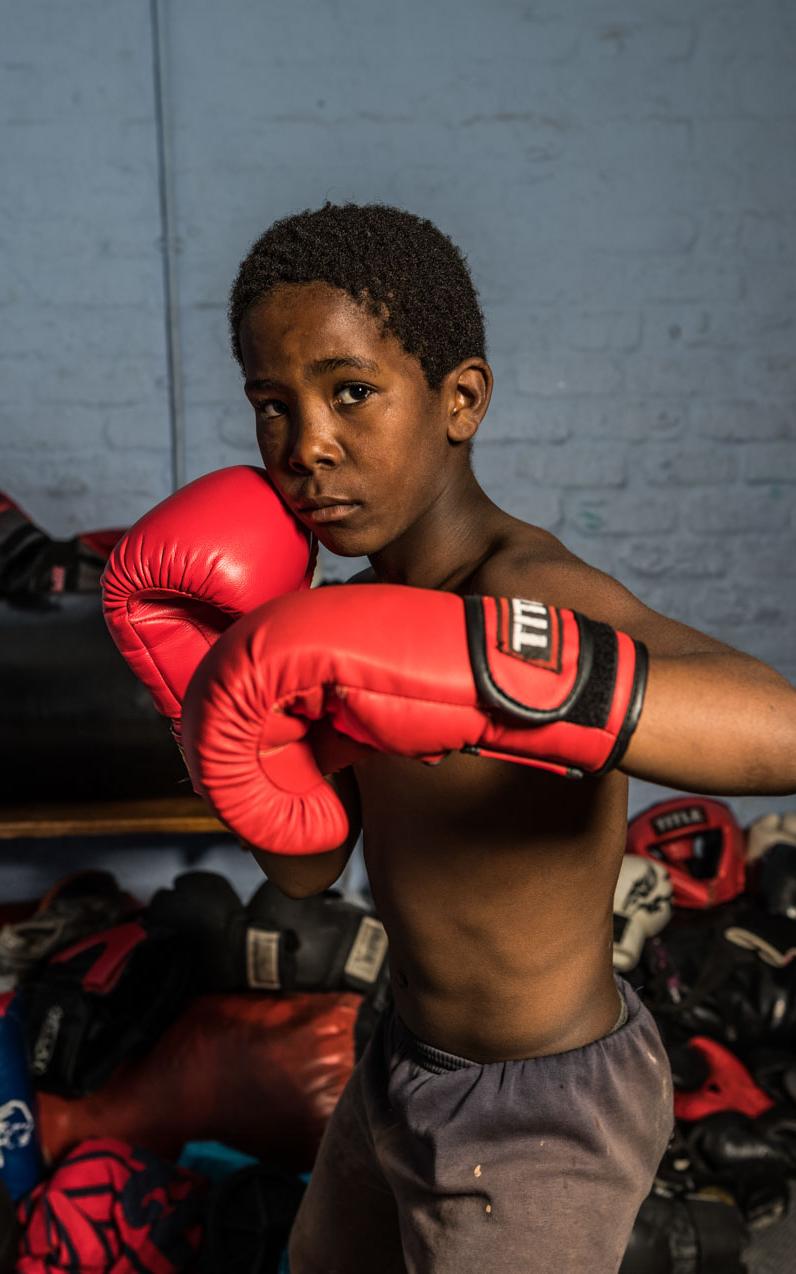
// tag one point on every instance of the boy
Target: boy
(511, 1110)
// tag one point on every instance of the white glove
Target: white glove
(642, 907)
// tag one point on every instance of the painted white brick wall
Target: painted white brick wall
(619, 174)
(83, 389)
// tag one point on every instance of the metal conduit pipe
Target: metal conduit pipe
(168, 243)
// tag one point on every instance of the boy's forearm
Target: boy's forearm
(300, 876)
(720, 723)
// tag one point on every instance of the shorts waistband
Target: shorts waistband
(426, 1055)
(624, 1011)
(438, 1061)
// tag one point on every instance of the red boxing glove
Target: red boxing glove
(406, 671)
(216, 549)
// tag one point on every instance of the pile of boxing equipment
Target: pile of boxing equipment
(705, 929)
(129, 1033)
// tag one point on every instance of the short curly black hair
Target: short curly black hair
(400, 267)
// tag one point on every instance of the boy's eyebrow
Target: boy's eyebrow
(318, 367)
(340, 360)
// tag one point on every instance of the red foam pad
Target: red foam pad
(257, 1072)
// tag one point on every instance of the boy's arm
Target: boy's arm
(298, 876)
(714, 720)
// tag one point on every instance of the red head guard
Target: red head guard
(700, 843)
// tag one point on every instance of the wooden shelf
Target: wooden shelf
(175, 815)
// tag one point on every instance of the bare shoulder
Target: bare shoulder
(533, 563)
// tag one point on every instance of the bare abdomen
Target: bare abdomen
(495, 884)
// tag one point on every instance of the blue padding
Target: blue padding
(20, 1158)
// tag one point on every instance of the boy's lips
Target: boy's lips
(328, 508)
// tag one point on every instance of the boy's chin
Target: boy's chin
(344, 544)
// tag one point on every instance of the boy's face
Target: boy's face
(348, 428)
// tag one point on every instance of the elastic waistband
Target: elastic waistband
(423, 1054)
(438, 1061)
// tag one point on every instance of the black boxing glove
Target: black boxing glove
(691, 1234)
(778, 1127)
(768, 830)
(276, 943)
(723, 989)
(731, 1142)
(321, 943)
(771, 937)
(776, 879)
(648, 1249)
(774, 1070)
(100, 1001)
(206, 912)
(754, 1169)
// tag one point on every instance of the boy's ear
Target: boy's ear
(469, 389)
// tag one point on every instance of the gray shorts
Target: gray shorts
(435, 1164)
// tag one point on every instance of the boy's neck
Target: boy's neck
(447, 543)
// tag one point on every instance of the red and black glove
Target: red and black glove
(406, 671)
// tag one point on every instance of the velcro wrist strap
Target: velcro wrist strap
(508, 639)
(534, 665)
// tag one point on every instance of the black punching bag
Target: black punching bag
(75, 724)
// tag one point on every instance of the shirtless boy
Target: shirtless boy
(510, 1111)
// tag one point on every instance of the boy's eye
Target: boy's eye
(356, 393)
(348, 395)
(271, 409)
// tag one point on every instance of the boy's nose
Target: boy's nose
(314, 444)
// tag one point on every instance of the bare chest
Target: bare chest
(490, 847)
